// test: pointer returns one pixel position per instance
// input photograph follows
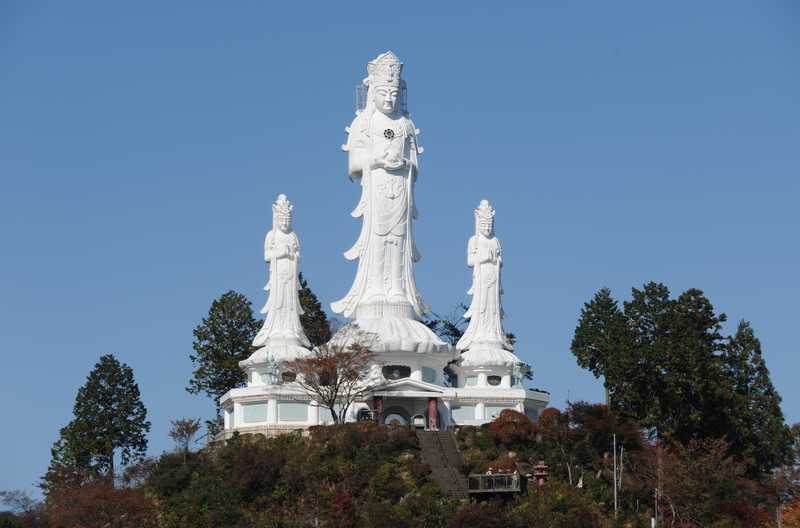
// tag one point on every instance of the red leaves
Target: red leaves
(512, 427)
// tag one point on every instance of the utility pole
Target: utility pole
(653, 521)
(615, 474)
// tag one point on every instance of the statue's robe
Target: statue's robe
(282, 310)
(485, 312)
(387, 209)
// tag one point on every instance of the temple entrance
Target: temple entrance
(409, 403)
(397, 416)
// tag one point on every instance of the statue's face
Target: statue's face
(386, 99)
(285, 223)
(485, 227)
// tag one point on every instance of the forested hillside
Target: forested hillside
(372, 476)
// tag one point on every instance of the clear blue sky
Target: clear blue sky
(142, 143)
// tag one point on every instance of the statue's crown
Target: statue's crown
(385, 70)
(282, 206)
(484, 211)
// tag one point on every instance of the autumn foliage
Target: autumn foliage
(99, 504)
(512, 427)
(367, 475)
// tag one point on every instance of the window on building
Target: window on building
(325, 413)
(493, 411)
(494, 381)
(288, 376)
(462, 413)
(254, 412)
(292, 411)
(453, 378)
(396, 372)
(428, 375)
(366, 415)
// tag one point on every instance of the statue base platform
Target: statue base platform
(391, 327)
(490, 355)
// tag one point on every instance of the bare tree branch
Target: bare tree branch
(338, 372)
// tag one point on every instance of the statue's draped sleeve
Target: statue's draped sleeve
(268, 255)
(357, 149)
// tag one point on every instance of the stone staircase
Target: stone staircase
(440, 452)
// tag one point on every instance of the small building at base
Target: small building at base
(416, 378)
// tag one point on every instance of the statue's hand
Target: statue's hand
(285, 251)
(395, 164)
(389, 162)
(487, 255)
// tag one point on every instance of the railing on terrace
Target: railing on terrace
(499, 483)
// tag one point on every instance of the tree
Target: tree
(666, 363)
(757, 432)
(512, 428)
(182, 432)
(691, 387)
(98, 504)
(337, 374)
(660, 357)
(601, 345)
(70, 461)
(450, 328)
(314, 320)
(700, 483)
(222, 340)
(24, 510)
(109, 419)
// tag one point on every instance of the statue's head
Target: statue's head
(484, 219)
(282, 214)
(384, 81)
(386, 99)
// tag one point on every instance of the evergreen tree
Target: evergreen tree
(314, 320)
(109, 418)
(758, 431)
(70, 462)
(666, 364)
(449, 328)
(646, 318)
(222, 340)
(601, 345)
(692, 388)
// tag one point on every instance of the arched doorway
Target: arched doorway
(396, 415)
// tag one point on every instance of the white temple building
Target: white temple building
(412, 364)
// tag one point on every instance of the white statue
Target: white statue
(485, 314)
(382, 153)
(282, 332)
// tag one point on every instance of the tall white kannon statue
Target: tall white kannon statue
(382, 153)
(281, 338)
(485, 335)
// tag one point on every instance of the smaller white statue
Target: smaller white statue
(282, 331)
(485, 314)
